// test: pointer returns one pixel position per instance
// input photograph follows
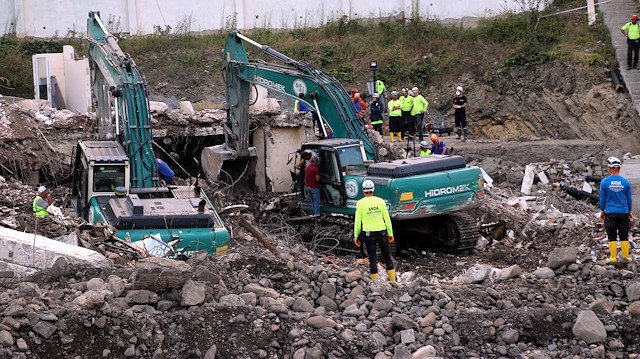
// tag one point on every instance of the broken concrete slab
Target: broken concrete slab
(527, 181)
(18, 253)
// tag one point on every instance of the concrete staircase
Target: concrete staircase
(616, 14)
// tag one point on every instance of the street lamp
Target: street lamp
(373, 65)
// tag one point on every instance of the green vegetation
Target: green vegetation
(409, 52)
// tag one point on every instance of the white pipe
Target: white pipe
(248, 40)
(320, 118)
(99, 21)
(117, 118)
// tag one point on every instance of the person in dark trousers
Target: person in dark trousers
(407, 105)
(311, 179)
(375, 115)
(165, 172)
(373, 227)
(615, 207)
(460, 105)
(305, 156)
(395, 116)
(633, 41)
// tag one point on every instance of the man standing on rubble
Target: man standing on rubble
(633, 41)
(311, 179)
(407, 105)
(373, 227)
(615, 207)
(460, 105)
(420, 106)
(42, 202)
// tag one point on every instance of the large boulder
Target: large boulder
(160, 274)
(589, 328)
(562, 256)
(633, 291)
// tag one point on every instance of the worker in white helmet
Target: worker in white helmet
(615, 207)
(373, 227)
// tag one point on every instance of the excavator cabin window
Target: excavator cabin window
(107, 177)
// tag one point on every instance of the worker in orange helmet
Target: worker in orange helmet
(359, 105)
(438, 147)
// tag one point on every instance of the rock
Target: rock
(232, 300)
(562, 256)
(211, 352)
(426, 351)
(6, 339)
(14, 310)
(439, 332)
(634, 308)
(383, 304)
(598, 352)
(44, 329)
(407, 336)
(115, 285)
(633, 291)
(589, 328)
(601, 306)
(544, 273)
(193, 293)
(302, 305)
(130, 351)
(94, 300)
(249, 298)
(510, 272)
(405, 298)
(321, 322)
(355, 292)
(510, 336)
(141, 296)
(428, 320)
(402, 321)
(158, 107)
(60, 268)
(401, 351)
(273, 305)
(187, 108)
(353, 276)
(21, 343)
(205, 275)
(477, 273)
(352, 311)
(328, 290)
(378, 339)
(28, 290)
(327, 304)
(160, 274)
(261, 291)
(165, 305)
(313, 353)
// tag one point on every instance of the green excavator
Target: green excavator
(427, 196)
(115, 174)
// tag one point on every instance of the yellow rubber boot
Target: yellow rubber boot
(613, 248)
(392, 275)
(399, 136)
(374, 276)
(624, 246)
(391, 136)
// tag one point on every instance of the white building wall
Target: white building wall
(45, 19)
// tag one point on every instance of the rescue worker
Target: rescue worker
(420, 105)
(165, 172)
(300, 106)
(395, 116)
(375, 114)
(359, 105)
(381, 90)
(42, 202)
(407, 105)
(373, 227)
(633, 41)
(459, 105)
(305, 156)
(438, 147)
(424, 149)
(615, 207)
(353, 92)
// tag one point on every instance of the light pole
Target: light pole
(373, 65)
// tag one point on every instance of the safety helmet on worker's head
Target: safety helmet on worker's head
(41, 189)
(415, 89)
(356, 95)
(354, 90)
(394, 93)
(634, 17)
(375, 95)
(434, 138)
(424, 144)
(459, 88)
(405, 91)
(614, 162)
(368, 186)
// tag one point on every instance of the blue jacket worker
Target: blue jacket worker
(615, 207)
(165, 172)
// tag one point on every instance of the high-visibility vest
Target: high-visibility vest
(407, 103)
(37, 210)
(392, 104)
(380, 86)
(425, 153)
(419, 104)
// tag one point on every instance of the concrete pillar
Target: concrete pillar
(630, 170)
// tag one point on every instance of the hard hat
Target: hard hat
(415, 89)
(308, 151)
(356, 95)
(354, 90)
(394, 93)
(405, 90)
(459, 88)
(424, 144)
(41, 189)
(368, 186)
(434, 137)
(614, 162)
(634, 17)
(375, 95)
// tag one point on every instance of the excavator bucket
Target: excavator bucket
(222, 164)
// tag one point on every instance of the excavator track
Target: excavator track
(459, 233)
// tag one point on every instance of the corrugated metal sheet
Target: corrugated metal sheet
(104, 151)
